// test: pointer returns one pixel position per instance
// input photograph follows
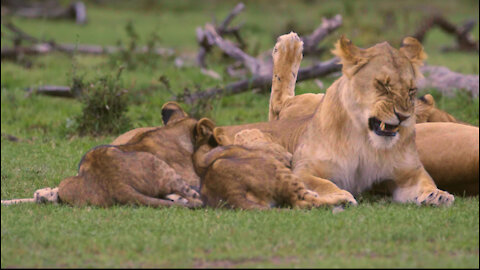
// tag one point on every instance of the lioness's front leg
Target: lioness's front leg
(417, 186)
(329, 193)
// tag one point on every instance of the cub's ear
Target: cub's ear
(351, 57)
(427, 99)
(413, 50)
(171, 112)
(204, 128)
(221, 137)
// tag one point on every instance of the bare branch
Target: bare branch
(327, 26)
(262, 81)
(236, 10)
(465, 41)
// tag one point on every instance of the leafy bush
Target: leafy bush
(105, 105)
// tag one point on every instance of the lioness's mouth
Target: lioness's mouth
(381, 128)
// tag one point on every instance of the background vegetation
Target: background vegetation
(40, 147)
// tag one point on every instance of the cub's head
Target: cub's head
(380, 88)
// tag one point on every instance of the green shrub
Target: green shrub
(105, 105)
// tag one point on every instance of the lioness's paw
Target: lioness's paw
(435, 197)
(288, 49)
(342, 197)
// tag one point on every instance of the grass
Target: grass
(377, 233)
(374, 234)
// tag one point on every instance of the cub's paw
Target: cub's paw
(435, 197)
(195, 203)
(249, 136)
(46, 195)
(288, 49)
(177, 198)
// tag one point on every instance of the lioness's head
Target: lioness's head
(381, 87)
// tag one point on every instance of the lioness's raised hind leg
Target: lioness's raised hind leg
(287, 55)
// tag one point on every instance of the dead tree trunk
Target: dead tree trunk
(263, 81)
(465, 41)
(447, 81)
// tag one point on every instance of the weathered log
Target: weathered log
(447, 81)
(206, 42)
(49, 10)
(209, 36)
(327, 26)
(465, 41)
(52, 90)
(254, 65)
(261, 81)
(44, 47)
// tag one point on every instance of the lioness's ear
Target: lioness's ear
(205, 127)
(221, 137)
(413, 50)
(171, 111)
(350, 56)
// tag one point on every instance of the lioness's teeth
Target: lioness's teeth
(382, 126)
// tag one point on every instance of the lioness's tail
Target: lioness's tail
(287, 55)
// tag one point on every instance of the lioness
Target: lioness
(251, 176)
(363, 130)
(150, 166)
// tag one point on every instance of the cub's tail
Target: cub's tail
(287, 55)
(43, 195)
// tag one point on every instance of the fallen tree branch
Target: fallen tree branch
(209, 36)
(52, 90)
(465, 41)
(327, 26)
(44, 47)
(264, 81)
(254, 65)
(46, 10)
(447, 81)
(206, 42)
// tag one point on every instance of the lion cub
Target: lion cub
(254, 175)
(144, 171)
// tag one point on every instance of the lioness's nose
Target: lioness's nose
(401, 117)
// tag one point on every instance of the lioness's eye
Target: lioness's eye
(383, 85)
(412, 91)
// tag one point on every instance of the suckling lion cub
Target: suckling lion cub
(254, 176)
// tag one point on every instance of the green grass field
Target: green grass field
(377, 233)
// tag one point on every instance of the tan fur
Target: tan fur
(334, 150)
(253, 176)
(149, 167)
(451, 157)
(287, 56)
(426, 111)
(175, 114)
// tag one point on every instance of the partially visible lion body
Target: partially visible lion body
(362, 130)
(251, 172)
(450, 153)
(147, 168)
